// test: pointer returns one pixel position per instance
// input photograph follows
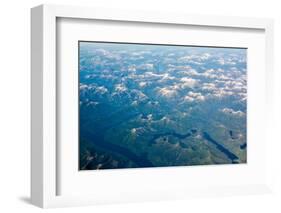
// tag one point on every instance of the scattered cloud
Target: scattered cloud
(188, 82)
(93, 88)
(230, 111)
(120, 88)
(191, 76)
(167, 92)
(194, 96)
(142, 84)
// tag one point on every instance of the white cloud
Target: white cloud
(137, 131)
(93, 88)
(132, 68)
(209, 86)
(226, 61)
(222, 93)
(139, 53)
(149, 117)
(166, 76)
(120, 88)
(107, 54)
(83, 87)
(102, 51)
(92, 103)
(142, 84)
(194, 96)
(101, 90)
(140, 96)
(188, 82)
(230, 111)
(210, 73)
(151, 74)
(235, 85)
(147, 66)
(186, 58)
(189, 99)
(193, 72)
(195, 59)
(221, 61)
(134, 103)
(168, 92)
(205, 56)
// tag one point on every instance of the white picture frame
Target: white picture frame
(44, 154)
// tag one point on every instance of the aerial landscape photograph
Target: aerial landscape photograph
(160, 105)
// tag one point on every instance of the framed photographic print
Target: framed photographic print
(130, 106)
(161, 105)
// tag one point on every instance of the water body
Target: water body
(243, 146)
(220, 147)
(98, 139)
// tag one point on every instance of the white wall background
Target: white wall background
(15, 104)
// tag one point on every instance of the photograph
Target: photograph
(161, 105)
